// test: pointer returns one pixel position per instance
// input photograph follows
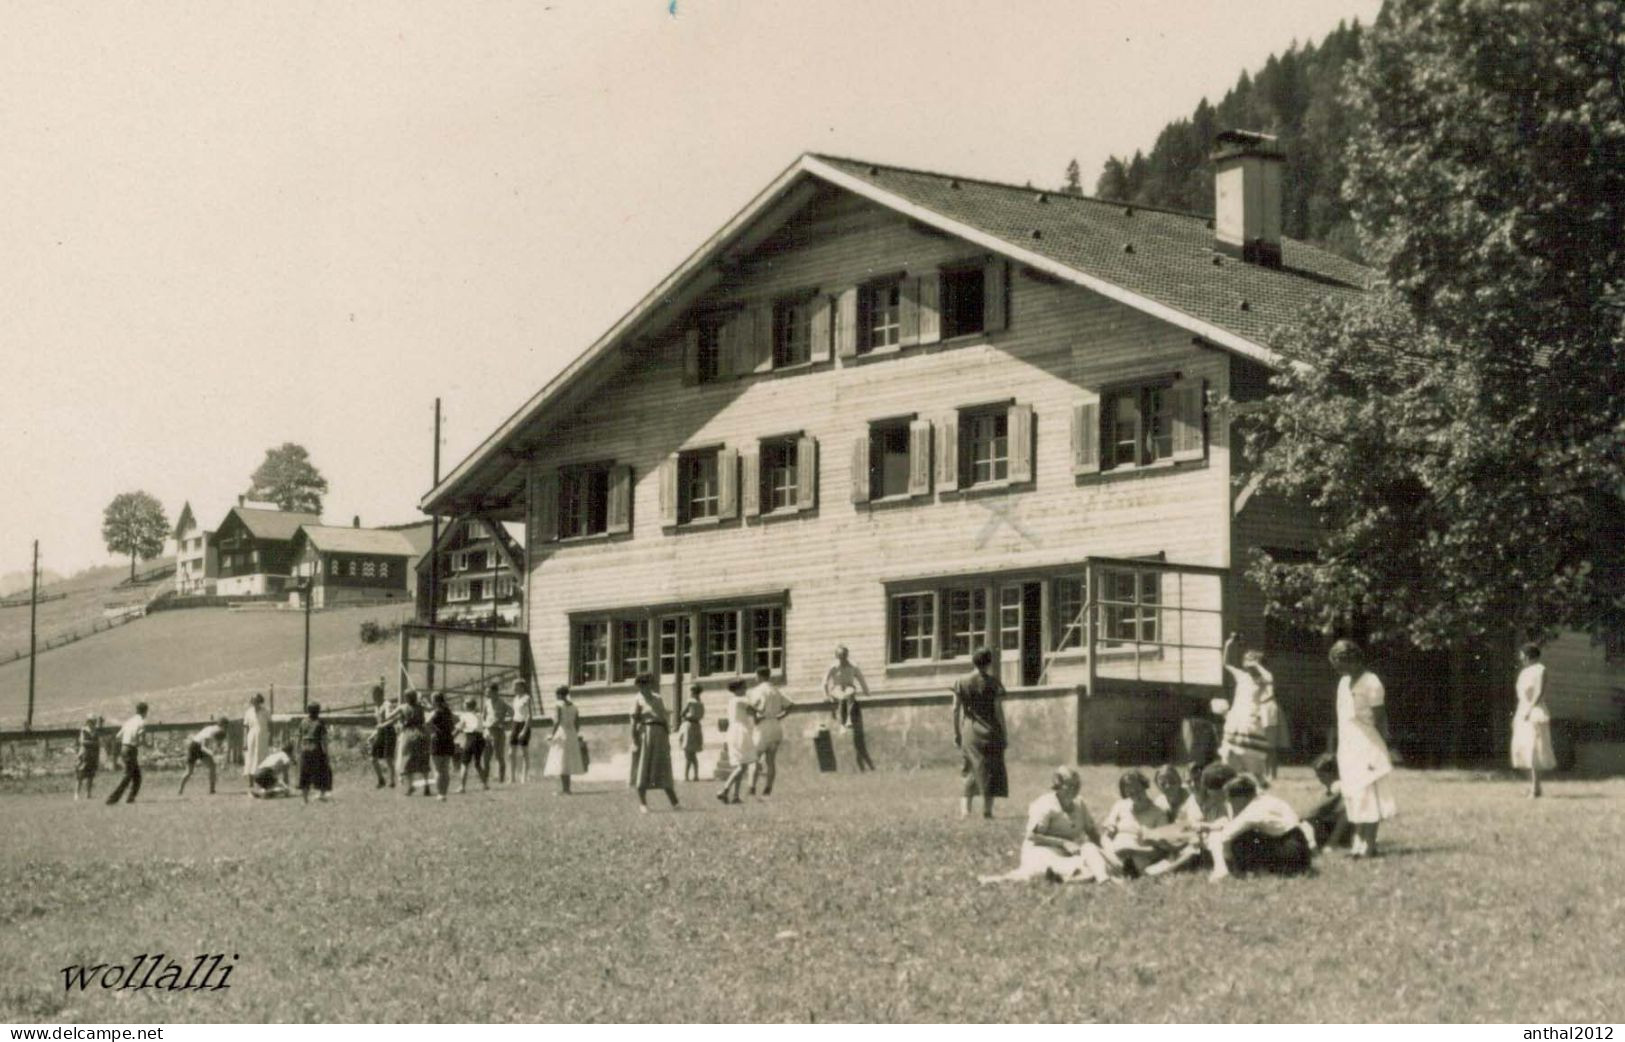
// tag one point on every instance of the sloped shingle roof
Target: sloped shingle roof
(273, 524)
(1166, 257)
(380, 542)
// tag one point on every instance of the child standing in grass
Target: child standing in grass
(564, 742)
(89, 758)
(131, 737)
(315, 769)
(203, 747)
(519, 736)
(691, 735)
(470, 735)
(381, 749)
(442, 744)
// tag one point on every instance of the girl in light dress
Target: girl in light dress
(691, 735)
(1364, 767)
(256, 734)
(740, 716)
(564, 742)
(1532, 722)
(1129, 830)
(1061, 843)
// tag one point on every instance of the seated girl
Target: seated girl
(1062, 843)
(1203, 811)
(1262, 835)
(1328, 819)
(1132, 828)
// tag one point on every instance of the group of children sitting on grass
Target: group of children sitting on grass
(1220, 820)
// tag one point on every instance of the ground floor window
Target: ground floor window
(967, 621)
(591, 653)
(694, 642)
(913, 627)
(1130, 605)
(767, 638)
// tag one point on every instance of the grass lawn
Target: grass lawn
(844, 898)
(193, 663)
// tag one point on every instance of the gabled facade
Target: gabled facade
(255, 547)
(352, 565)
(481, 577)
(196, 560)
(914, 414)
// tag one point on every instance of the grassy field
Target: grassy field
(844, 898)
(87, 595)
(192, 663)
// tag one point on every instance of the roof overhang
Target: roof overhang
(495, 458)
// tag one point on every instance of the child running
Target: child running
(203, 747)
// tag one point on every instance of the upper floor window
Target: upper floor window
(792, 332)
(1139, 426)
(708, 349)
(583, 501)
(892, 460)
(780, 482)
(698, 486)
(880, 315)
(986, 441)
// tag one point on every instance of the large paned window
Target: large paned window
(583, 501)
(632, 648)
(698, 489)
(1130, 605)
(720, 641)
(779, 475)
(985, 436)
(888, 459)
(967, 620)
(792, 332)
(591, 652)
(1139, 426)
(880, 315)
(767, 638)
(913, 627)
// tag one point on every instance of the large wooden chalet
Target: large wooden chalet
(255, 550)
(912, 413)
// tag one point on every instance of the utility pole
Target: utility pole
(33, 616)
(308, 587)
(434, 552)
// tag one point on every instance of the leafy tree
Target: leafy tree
(1461, 429)
(288, 479)
(1074, 178)
(134, 524)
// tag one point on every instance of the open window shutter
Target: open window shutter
(927, 290)
(762, 338)
(547, 506)
(619, 507)
(948, 453)
(691, 357)
(995, 284)
(727, 483)
(806, 473)
(1020, 424)
(1188, 398)
(822, 334)
(668, 491)
(846, 323)
(860, 469)
(727, 348)
(919, 458)
(909, 295)
(1086, 436)
(750, 484)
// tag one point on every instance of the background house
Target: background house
(197, 561)
(255, 547)
(481, 574)
(352, 565)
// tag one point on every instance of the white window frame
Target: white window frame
(925, 640)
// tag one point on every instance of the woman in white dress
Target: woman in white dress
(1532, 723)
(564, 742)
(740, 715)
(1363, 763)
(256, 735)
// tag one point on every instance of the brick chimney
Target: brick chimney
(1247, 196)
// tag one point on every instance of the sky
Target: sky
(229, 225)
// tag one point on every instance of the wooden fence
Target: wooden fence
(58, 640)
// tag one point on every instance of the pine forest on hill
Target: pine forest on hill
(1298, 96)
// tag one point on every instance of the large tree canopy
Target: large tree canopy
(1461, 428)
(288, 479)
(134, 524)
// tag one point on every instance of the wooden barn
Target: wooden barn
(913, 413)
(355, 564)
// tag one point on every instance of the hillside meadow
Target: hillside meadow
(844, 898)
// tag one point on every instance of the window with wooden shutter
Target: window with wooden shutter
(619, 510)
(668, 490)
(919, 458)
(910, 316)
(996, 295)
(762, 327)
(545, 504)
(846, 323)
(727, 483)
(750, 484)
(860, 469)
(727, 346)
(806, 473)
(984, 441)
(1086, 437)
(1021, 443)
(1189, 442)
(948, 453)
(822, 328)
(691, 356)
(930, 314)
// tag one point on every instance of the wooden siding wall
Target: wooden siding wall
(1581, 683)
(835, 558)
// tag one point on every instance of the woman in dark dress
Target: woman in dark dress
(315, 769)
(442, 743)
(980, 735)
(414, 745)
(650, 723)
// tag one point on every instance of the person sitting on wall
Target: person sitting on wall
(1061, 842)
